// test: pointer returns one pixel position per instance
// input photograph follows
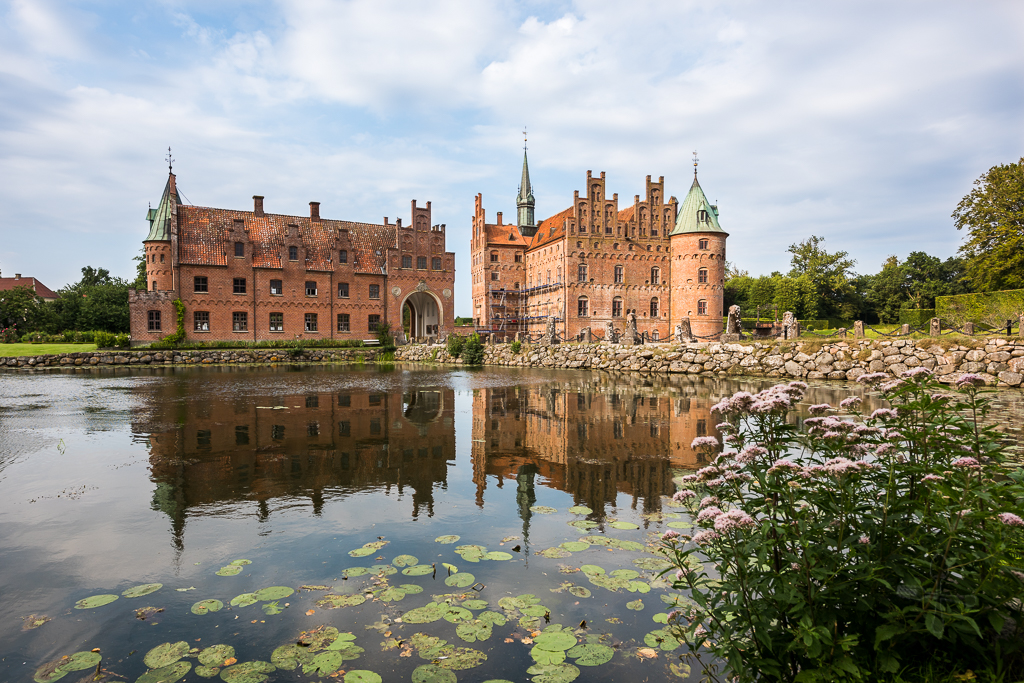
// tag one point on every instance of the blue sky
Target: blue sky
(863, 122)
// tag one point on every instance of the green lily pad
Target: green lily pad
(426, 646)
(591, 654)
(383, 570)
(167, 674)
(460, 658)
(391, 595)
(580, 591)
(623, 525)
(660, 618)
(215, 655)
(418, 570)
(535, 610)
(244, 600)
(324, 663)
(273, 593)
(230, 570)
(655, 564)
(165, 654)
(636, 605)
(95, 601)
(598, 540)
(355, 571)
(362, 552)
(546, 657)
(472, 631)
(543, 509)
(332, 601)
(679, 525)
(207, 671)
(411, 588)
(625, 574)
(272, 608)
(429, 613)
(460, 580)
(475, 604)
(631, 546)
(207, 606)
(555, 640)
(362, 676)
(240, 563)
(661, 638)
(144, 589)
(247, 672)
(452, 569)
(554, 673)
(432, 673)
(555, 553)
(447, 539)
(529, 623)
(608, 582)
(575, 546)
(591, 569)
(471, 553)
(580, 510)
(498, 555)
(583, 524)
(457, 614)
(493, 618)
(405, 561)
(638, 587)
(289, 656)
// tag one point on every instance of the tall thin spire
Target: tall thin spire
(525, 202)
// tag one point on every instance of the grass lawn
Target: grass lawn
(12, 350)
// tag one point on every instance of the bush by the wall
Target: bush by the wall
(989, 308)
(918, 317)
(455, 344)
(473, 351)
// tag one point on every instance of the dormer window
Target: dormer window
(239, 250)
(343, 256)
(293, 253)
(702, 216)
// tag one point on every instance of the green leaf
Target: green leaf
(207, 606)
(554, 673)
(457, 614)
(636, 605)
(215, 655)
(166, 653)
(498, 556)
(575, 546)
(168, 674)
(546, 657)
(244, 600)
(543, 509)
(580, 510)
(95, 601)
(411, 588)
(460, 580)
(472, 631)
(405, 561)
(229, 570)
(591, 569)
(240, 562)
(432, 673)
(474, 604)
(493, 618)
(272, 608)
(247, 672)
(144, 589)
(555, 553)
(554, 640)
(332, 601)
(591, 654)
(580, 591)
(431, 612)
(273, 593)
(392, 595)
(459, 658)
(418, 570)
(207, 671)
(887, 631)
(934, 624)
(324, 663)
(448, 539)
(623, 525)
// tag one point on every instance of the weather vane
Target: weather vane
(695, 160)
(524, 138)
(170, 160)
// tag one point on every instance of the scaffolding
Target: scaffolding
(509, 308)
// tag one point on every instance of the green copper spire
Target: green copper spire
(696, 213)
(525, 202)
(160, 218)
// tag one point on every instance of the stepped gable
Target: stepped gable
(552, 229)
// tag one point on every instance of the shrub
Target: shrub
(455, 344)
(473, 351)
(990, 308)
(8, 335)
(516, 346)
(104, 340)
(882, 547)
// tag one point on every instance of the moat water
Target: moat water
(260, 507)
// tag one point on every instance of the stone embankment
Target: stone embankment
(205, 357)
(998, 361)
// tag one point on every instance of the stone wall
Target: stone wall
(205, 357)
(998, 361)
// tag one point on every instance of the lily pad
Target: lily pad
(244, 600)
(405, 561)
(165, 654)
(580, 591)
(555, 553)
(167, 674)
(545, 657)
(333, 601)
(240, 563)
(493, 618)
(355, 571)
(475, 604)
(207, 606)
(660, 618)
(575, 546)
(273, 593)
(498, 556)
(472, 631)
(362, 676)
(460, 658)
(432, 673)
(230, 570)
(411, 588)
(383, 570)
(471, 553)
(543, 510)
(289, 656)
(431, 612)
(452, 569)
(580, 510)
(591, 569)
(95, 601)
(535, 611)
(625, 574)
(623, 525)
(272, 608)
(216, 655)
(391, 594)
(652, 563)
(418, 570)
(362, 552)
(447, 539)
(661, 638)
(324, 663)
(460, 580)
(555, 640)
(679, 525)
(457, 614)
(591, 654)
(207, 671)
(554, 673)
(638, 587)
(247, 672)
(144, 589)
(583, 524)
(636, 605)
(631, 546)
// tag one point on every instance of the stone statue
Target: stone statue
(550, 337)
(585, 335)
(790, 325)
(630, 337)
(610, 336)
(733, 325)
(683, 331)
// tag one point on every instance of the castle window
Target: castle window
(311, 322)
(293, 253)
(239, 285)
(276, 287)
(154, 285)
(343, 326)
(655, 276)
(343, 256)
(201, 321)
(702, 244)
(615, 246)
(407, 261)
(375, 292)
(581, 274)
(342, 290)
(607, 229)
(239, 321)
(617, 307)
(618, 275)
(345, 428)
(277, 432)
(494, 275)
(344, 400)
(702, 276)
(519, 258)
(372, 323)
(435, 263)
(277, 322)
(161, 258)
(654, 231)
(549, 278)
(310, 288)
(154, 321)
(313, 429)
(579, 245)
(655, 335)
(702, 216)
(200, 284)
(242, 435)
(494, 257)
(702, 307)
(239, 250)
(583, 307)
(654, 307)
(421, 262)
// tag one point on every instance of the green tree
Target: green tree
(797, 294)
(96, 302)
(21, 309)
(830, 274)
(140, 283)
(993, 215)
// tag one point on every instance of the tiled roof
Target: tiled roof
(41, 290)
(696, 213)
(499, 234)
(160, 218)
(626, 215)
(204, 238)
(551, 229)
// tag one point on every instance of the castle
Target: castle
(593, 264)
(256, 276)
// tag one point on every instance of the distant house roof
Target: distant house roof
(41, 290)
(551, 229)
(504, 234)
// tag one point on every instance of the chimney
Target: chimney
(499, 218)
(257, 205)
(17, 276)
(173, 183)
(314, 211)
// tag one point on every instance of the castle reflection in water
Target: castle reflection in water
(593, 438)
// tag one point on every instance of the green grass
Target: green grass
(13, 350)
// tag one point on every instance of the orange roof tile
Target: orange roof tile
(551, 229)
(626, 215)
(500, 234)
(41, 290)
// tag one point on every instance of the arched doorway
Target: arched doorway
(421, 315)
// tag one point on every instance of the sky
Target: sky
(862, 122)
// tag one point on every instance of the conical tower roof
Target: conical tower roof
(160, 218)
(696, 213)
(525, 189)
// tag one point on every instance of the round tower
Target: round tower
(698, 265)
(157, 245)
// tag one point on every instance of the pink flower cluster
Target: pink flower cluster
(777, 399)
(705, 536)
(708, 442)
(819, 409)
(970, 380)
(750, 453)
(967, 463)
(669, 535)
(708, 500)
(708, 513)
(733, 520)
(872, 378)
(914, 372)
(884, 414)
(682, 496)
(850, 403)
(931, 477)
(1011, 519)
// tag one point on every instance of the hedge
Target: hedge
(988, 308)
(916, 316)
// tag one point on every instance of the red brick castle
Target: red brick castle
(255, 276)
(594, 264)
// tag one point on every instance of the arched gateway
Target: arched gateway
(421, 315)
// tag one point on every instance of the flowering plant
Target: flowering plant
(853, 547)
